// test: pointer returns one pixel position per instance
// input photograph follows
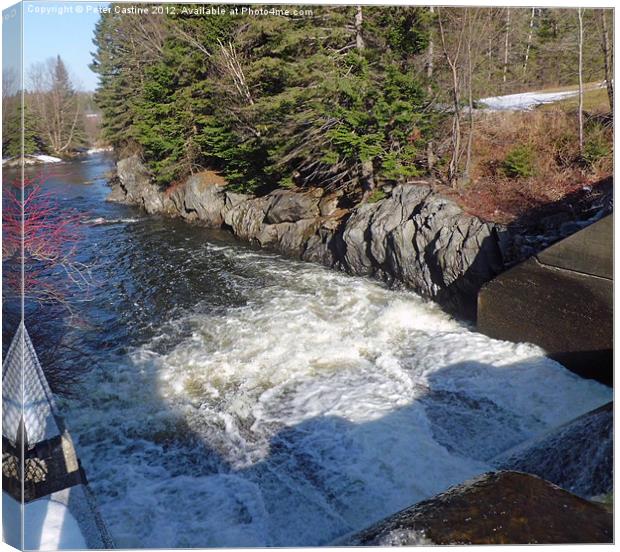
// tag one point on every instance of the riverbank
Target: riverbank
(42, 159)
(416, 236)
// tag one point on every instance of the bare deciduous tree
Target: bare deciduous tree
(430, 154)
(608, 55)
(529, 41)
(359, 20)
(506, 46)
(453, 59)
(56, 104)
(580, 71)
(469, 22)
(232, 66)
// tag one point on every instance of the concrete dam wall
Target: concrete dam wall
(560, 299)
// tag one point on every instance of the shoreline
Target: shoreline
(415, 236)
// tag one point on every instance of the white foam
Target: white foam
(320, 406)
(98, 221)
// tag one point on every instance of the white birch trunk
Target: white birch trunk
(506, 45)
(580, 109)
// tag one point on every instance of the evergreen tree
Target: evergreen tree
(13, 131)
(342, 98)
(126, 46)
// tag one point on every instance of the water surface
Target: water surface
(224, 396)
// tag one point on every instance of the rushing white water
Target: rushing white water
(315, 407)
(102, 220)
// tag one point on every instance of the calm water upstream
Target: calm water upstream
(224, 396)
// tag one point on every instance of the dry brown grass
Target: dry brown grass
(551, 135)
(595, 100)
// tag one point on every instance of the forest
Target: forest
(345, 97)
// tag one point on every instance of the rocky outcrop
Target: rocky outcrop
(414, 236)
(496, 508)
(425, 241)
(133, 185)
(204, 198)
(288, 206)
(577, 456)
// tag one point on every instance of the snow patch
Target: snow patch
(47, 159)
(527, 100)
(98, 150)
(30, 160)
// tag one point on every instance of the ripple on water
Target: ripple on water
(310, 406)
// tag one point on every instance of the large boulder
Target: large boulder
(174, 202)
(293, 237)
(245, 219)
(291, 206)
(356, 240)
(232, 199)
(321, 247)
(133, 185)
(577, 456)
(118, 194)
(425, 241)
(205, 196)
(496, 508)
(391, 213)
(445, 253)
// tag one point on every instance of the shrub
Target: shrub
(596, 147)
(566, 149)
(376, 195)
(520, 162)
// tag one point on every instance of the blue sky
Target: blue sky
(64, 28)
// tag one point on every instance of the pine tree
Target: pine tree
(125, 47)
(13, 130)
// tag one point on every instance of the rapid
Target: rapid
(227, 396)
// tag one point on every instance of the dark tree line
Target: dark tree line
(346, 97)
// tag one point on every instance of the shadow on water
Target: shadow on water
(316, 480)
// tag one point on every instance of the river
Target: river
(221, 395)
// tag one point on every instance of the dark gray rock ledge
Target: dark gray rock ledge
(414, 237)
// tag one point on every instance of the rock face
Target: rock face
(414, 237)
(204, 198)
(496, 508)
(577, 456)
(288, 206)
(134, 186)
